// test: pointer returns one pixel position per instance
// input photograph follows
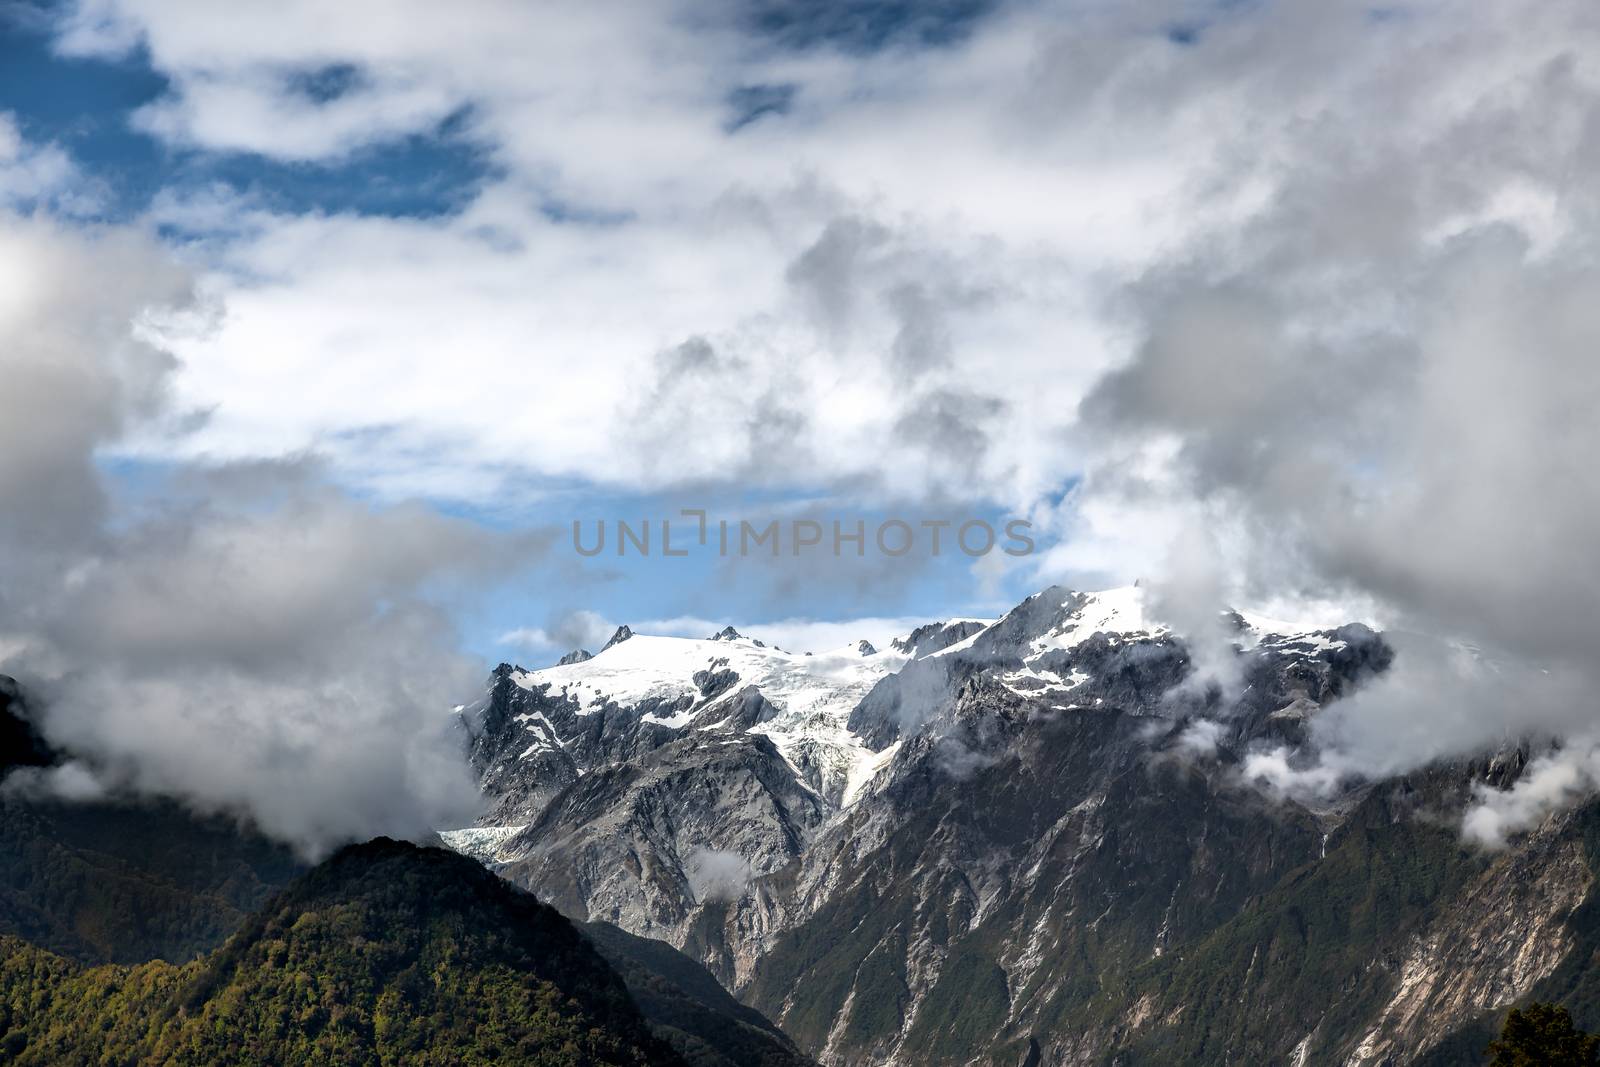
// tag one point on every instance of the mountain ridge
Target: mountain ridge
(1053, 814)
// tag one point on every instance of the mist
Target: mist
(1376, 384)
(246, 638)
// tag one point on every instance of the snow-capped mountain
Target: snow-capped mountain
(1007, 837)
(696, 684)
(595, 763)
(537, 731)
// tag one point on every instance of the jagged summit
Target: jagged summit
(963, 801)
(623, 633)
(866, 648)
(937, 636)
(999, 813)
(577, 655)
(728, 633)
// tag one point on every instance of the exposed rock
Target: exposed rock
(1026, 842)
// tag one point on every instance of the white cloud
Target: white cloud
(32, 173)
(505, 340)
(1320, 279)
(1548, 785)
(252, 641)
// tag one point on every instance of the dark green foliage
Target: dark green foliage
(1301, 953)
(964, 1009)
(387, 953)
(1542, 1035)
(121, 882)
(128, 883)
(686, 1006)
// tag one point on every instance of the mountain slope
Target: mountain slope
(1055, 854)
(390, 953)
(648, 784)
(688, 1008)
(107, 881)
(385, 953)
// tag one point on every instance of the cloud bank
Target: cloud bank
(246, 639)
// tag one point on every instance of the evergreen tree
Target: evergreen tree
(1543, 1035)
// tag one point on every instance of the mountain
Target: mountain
(20, 743)
(686, 1006)
(110, 881)
(647, 785)
(387, 952)
(1030, 841)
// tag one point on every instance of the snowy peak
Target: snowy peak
(833, 714)
(937, 636)
(1058, 640)
(728, 633)
(577, 655)
(1118, 613)
(686, 686)
(1060, 618)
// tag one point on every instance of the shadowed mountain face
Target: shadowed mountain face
(1050, 851)
(20, 743)
(121, 882)
(391, 953)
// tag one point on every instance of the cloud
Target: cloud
(871, 322)
(248, 639)
(33, 174)
(1368, 383)
(1548, 785)
(717, 875)
(565, 633)
(79, 370)
(1199, 739)
(71, 781)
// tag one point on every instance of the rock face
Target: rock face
(1027, 841)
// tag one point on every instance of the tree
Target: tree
(1542, 1035)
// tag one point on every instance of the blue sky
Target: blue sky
(84, 104)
